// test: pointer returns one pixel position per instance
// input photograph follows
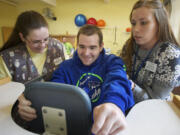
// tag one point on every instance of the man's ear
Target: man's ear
(21, 37)
(102, 46)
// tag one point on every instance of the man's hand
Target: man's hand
(25, 111)
(108, 119)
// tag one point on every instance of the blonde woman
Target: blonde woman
(152, 54)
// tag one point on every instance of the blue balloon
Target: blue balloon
(80, 20)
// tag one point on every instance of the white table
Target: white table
(9, 93)
(153, 117)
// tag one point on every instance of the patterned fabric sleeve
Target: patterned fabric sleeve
(160, 84)
(167, 76)
(168, 59)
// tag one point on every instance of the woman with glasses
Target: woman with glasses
(29, 51)
(28, 54)
(152, 54)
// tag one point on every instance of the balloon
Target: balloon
(101, 23)
(128, 29)
(80, 20)
(91, 21)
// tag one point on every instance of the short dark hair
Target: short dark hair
(89, 30)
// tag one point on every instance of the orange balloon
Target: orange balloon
(128, 29)
(101, 23)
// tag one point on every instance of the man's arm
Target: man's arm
(109, 117)
(116, 86)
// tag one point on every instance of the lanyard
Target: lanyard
(135, 74)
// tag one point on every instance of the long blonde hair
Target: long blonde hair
(165, 32)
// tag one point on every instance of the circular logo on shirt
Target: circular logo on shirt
(91, 83)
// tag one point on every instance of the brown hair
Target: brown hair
(89, 30)
(165, 32)
(26, 21)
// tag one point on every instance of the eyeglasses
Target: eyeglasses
(38, 42)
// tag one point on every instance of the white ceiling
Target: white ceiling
(15, 2)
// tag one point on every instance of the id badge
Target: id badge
(151, 66)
